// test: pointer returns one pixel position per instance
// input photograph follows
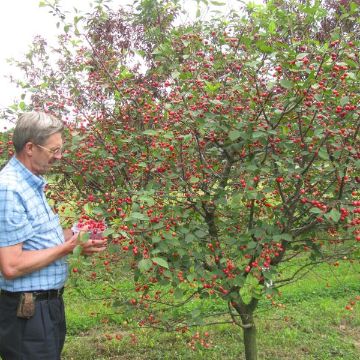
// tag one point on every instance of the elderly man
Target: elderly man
(33, 246)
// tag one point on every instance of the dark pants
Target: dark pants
(39, 338)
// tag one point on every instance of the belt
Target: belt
(39, 294)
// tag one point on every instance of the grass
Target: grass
(309, 321)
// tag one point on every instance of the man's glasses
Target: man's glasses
(56, 151)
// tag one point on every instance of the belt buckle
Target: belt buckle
(42, 295)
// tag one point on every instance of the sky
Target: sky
(22, 20)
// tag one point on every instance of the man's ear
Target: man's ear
(29, 148)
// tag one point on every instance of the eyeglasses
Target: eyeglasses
(56, 151)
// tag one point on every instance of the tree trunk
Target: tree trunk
(250, 341)
(246, 312)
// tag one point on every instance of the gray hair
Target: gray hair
(35, 127)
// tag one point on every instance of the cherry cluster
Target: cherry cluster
(201, 340)
(94, 226)
(352, 303)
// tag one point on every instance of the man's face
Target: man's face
(46, 154)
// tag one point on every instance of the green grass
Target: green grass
(309, 321)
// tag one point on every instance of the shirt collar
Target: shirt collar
(27, 175)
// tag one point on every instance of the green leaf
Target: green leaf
(22, 106)
(353, 6)
(169, 135)
(323, 154)
(194, 180)
(287, 84)
(239, 280)
(145, 265)
(108, 232)
(270, 85)
(148, 199)
(150, 132)
(212, 88)
(138, 216)
(334, 215)
(234, 135)
(285, 130)
(268, 274)
(201, 234)
(217, 3)
(175, 74)
(251, 194)
(272, 27)
(77, 251)
(259, 134)
(187, 137)
(284, 236)
(77, 19)
(344, 100)
(178, 293)
(126, 74)
(316, 210)
(261, 45)
(252, 245)
(271, 291)
(161, 262)
(189, 238)
(155, 239)
(301, 56)
(351, 76)
(256, 293)
(84, 236)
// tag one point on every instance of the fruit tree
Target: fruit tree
(217, 152)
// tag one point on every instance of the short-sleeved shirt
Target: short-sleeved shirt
(27, 218)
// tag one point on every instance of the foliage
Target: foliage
(216, 151)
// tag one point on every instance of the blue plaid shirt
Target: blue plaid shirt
(26, 217)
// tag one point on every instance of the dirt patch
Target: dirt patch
(350, 332)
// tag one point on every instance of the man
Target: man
(33, 246)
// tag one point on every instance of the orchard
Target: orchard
(215, 152)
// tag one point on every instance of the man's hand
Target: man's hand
(93, 246)
(90, 246)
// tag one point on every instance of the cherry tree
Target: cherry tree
(218, 152)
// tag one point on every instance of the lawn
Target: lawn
(308, 321)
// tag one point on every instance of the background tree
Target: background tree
(223, 155)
